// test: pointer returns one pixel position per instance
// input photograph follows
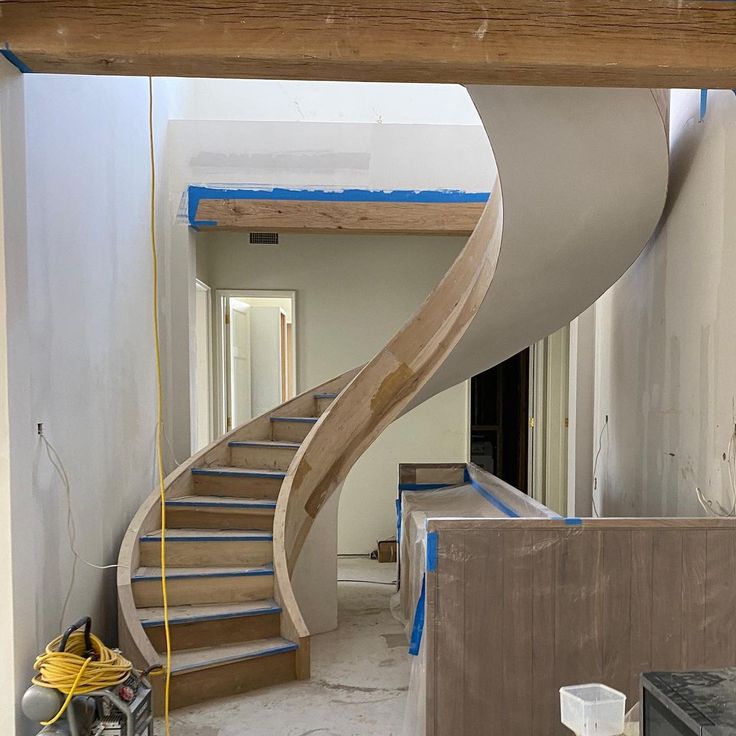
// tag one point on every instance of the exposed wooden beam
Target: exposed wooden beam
(407, 218)
(632, 43)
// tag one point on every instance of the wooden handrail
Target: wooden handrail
(375, 397)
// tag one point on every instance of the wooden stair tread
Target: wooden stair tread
(154, 616)
(221, 502)
(189, 660)
(235, 472)
(174, 573)
(267, 444)
(209, 535)
(294, 419)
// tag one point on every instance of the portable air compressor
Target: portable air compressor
(122, 710)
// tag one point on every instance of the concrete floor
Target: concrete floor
(360, 675)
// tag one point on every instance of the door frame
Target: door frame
(221, 297)
(201, 286)
(549, 372)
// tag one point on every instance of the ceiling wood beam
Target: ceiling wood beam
(631, 43)
(405, 218)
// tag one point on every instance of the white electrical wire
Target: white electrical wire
(595, 466)
(730, 458)
(58, 465)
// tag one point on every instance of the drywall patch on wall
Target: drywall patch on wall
(666, 358)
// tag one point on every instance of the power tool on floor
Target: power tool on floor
(86, 689)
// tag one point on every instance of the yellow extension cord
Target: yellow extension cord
(74, 674)
(69, 671)
(159, 411)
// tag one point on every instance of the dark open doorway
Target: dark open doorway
(499, 416)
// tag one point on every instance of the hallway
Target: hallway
(360, 674)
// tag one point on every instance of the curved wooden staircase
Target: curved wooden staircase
(224, 619)
(240, 511)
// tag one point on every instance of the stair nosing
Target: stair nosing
(273, 444)
(208, 618)
(287, 647)
(230, 504)
(204, 537)
(171, 574)
(309, 420)
(234, 472)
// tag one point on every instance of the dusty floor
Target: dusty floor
(360, 675)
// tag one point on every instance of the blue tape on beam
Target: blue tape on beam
(573, 521)
(428, 196)
(418, 626)
(432, 551)
(20, 65)
(500, 505)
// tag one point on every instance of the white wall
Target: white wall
(81, 358)
(666, 373)
(15, 437)
(322, 102)
(352, 294)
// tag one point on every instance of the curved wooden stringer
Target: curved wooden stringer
(581, 185)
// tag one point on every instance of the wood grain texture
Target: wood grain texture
(542, 609)
(636, 43)
(404, 218)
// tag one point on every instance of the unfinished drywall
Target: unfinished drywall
(352, 294)
(15, 437)
(78, 293)
(666, 357)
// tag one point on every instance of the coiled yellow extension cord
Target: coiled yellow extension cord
(73, 673)
(159, 410)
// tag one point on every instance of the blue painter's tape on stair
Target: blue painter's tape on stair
(417, 628)
(432, 551)
(573, 521)
(270, 444)
(223, 505)
(311, 420)
(267, 611)
(428, 196)
(171, 575)
(15, 61)
(236, 658)
(218, 538)
(275, 474)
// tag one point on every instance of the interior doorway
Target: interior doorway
(257, 353)
(499, 420)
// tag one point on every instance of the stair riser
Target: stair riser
(230, 589)
(322, 404)
(206, 517)
(214, 633)
(229, 679)
(272, 458)
(290, 431)
(207, 554)
(238, 487)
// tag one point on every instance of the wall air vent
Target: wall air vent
(264, 238)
